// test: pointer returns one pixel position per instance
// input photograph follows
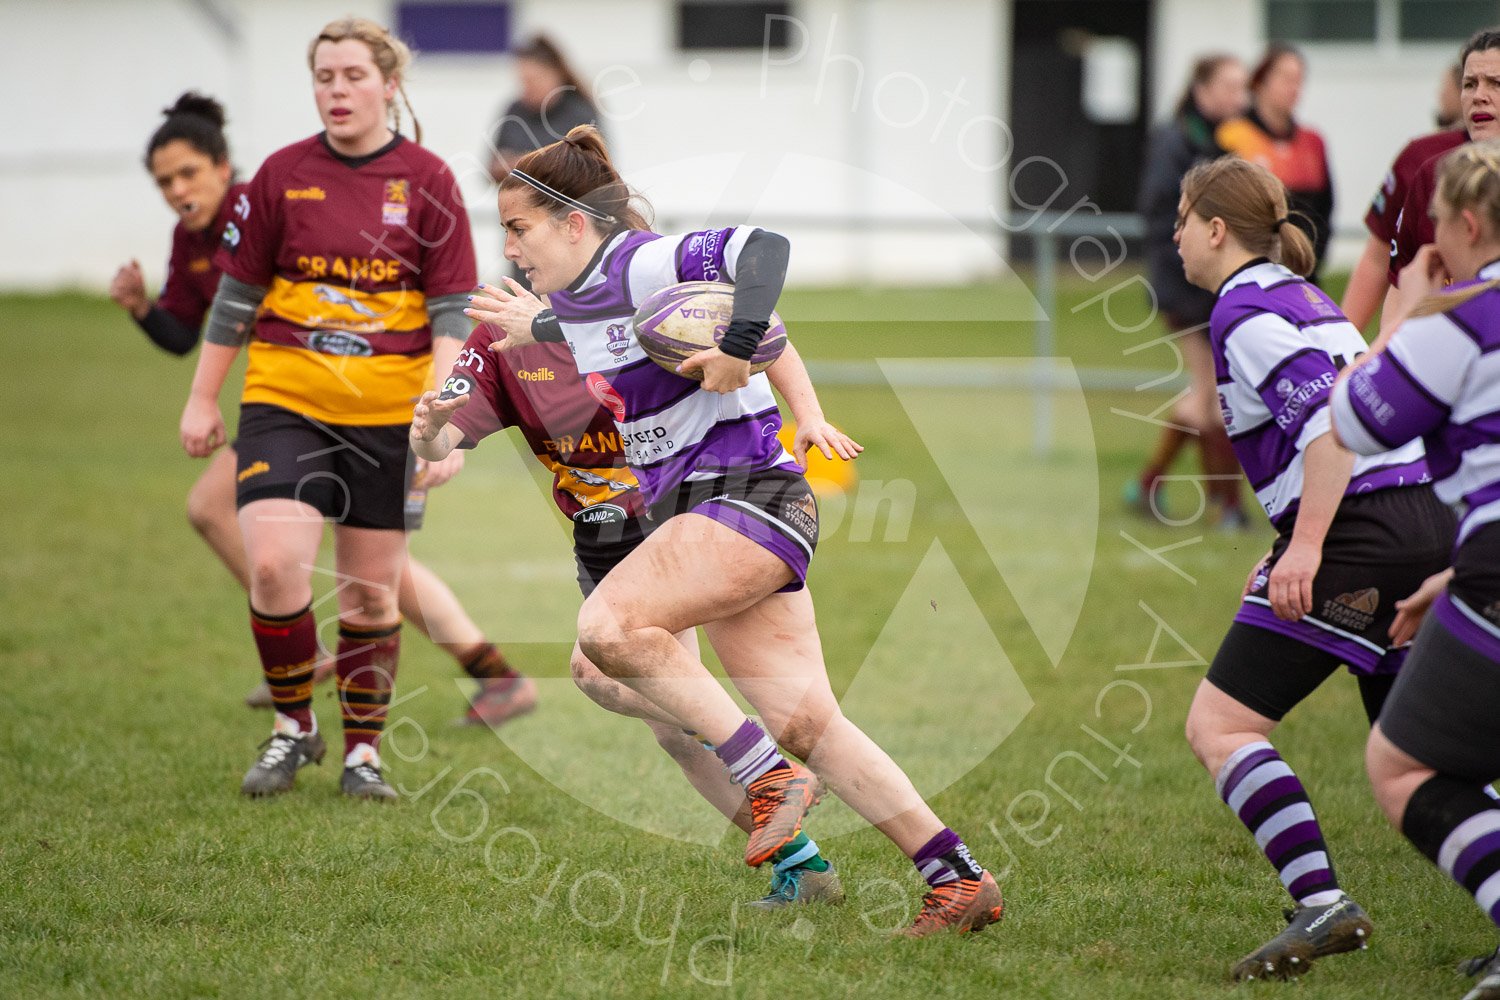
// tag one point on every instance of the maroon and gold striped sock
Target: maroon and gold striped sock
(288, 647)
(485, 662)
(367, 673)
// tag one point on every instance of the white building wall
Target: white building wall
(869, 112)
(880, 108)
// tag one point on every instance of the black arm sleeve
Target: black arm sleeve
(545, 328)
(759, 276)
(168, 332)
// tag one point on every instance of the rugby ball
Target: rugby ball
(680, 320)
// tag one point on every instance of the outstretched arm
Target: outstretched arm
(789, 377)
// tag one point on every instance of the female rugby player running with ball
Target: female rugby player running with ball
(188, 157)
(1436, 745)
(1352, 535)
(537, 389)
(738, 523)
(344, 267)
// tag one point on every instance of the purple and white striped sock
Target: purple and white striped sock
(749, 753)
(945, 858)
(1269, 799)
(1457, 826)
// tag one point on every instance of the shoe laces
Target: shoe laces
(787, 884)
(276, 749)
(367, 772)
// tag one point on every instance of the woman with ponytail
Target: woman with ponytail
(345, 267)
(1437, 378)
(736, 521)
(1352, 535)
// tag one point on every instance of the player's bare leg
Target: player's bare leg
(694, 570)
(210, 510)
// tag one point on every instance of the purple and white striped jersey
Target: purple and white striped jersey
(1439, 379)
(1278, 345)
(671, 429)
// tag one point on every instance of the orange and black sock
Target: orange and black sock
(367, 673)
(288, 647)
(484, 662)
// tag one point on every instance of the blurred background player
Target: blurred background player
(737, 522)
(537, 389)
(553, 100)
(1215, 93)
(1371, 278)
(1351, 534)
(1270, 135)
(344, 330)
(188, 157)
(1436, 745)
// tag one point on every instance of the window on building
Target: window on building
(729, 24)
(1446, 20)
(1322, 20)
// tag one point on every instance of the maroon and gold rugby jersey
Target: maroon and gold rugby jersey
(1380, 220)
(537, 388)
(350, 249)
(1414, 226)
(192, 277)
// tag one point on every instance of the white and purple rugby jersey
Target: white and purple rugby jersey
(671, 429)
(1278, 345)
(1438, 380)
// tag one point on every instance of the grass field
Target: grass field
(995, 619)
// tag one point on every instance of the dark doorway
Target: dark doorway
(1078, 97)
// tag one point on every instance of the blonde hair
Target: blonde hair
(1252, 202)
(391, 56)
(1468, 177)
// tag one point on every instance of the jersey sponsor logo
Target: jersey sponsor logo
(802, 514)
(242, 206)
(1319, 304)
(374, 269)
(594, 479)
(601, 513)
(1362, 386)
(333, 296)
(705, 246)
(200, 265)
(1354, 611)
(1225, 411)
(605, 395)
(1296, 397)
(341, 344)
(393, 210)
(231, 239)
(540, 375)
(456, 386)
(306, 194)
(599, 442)
(254, 469)
(617, 339)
